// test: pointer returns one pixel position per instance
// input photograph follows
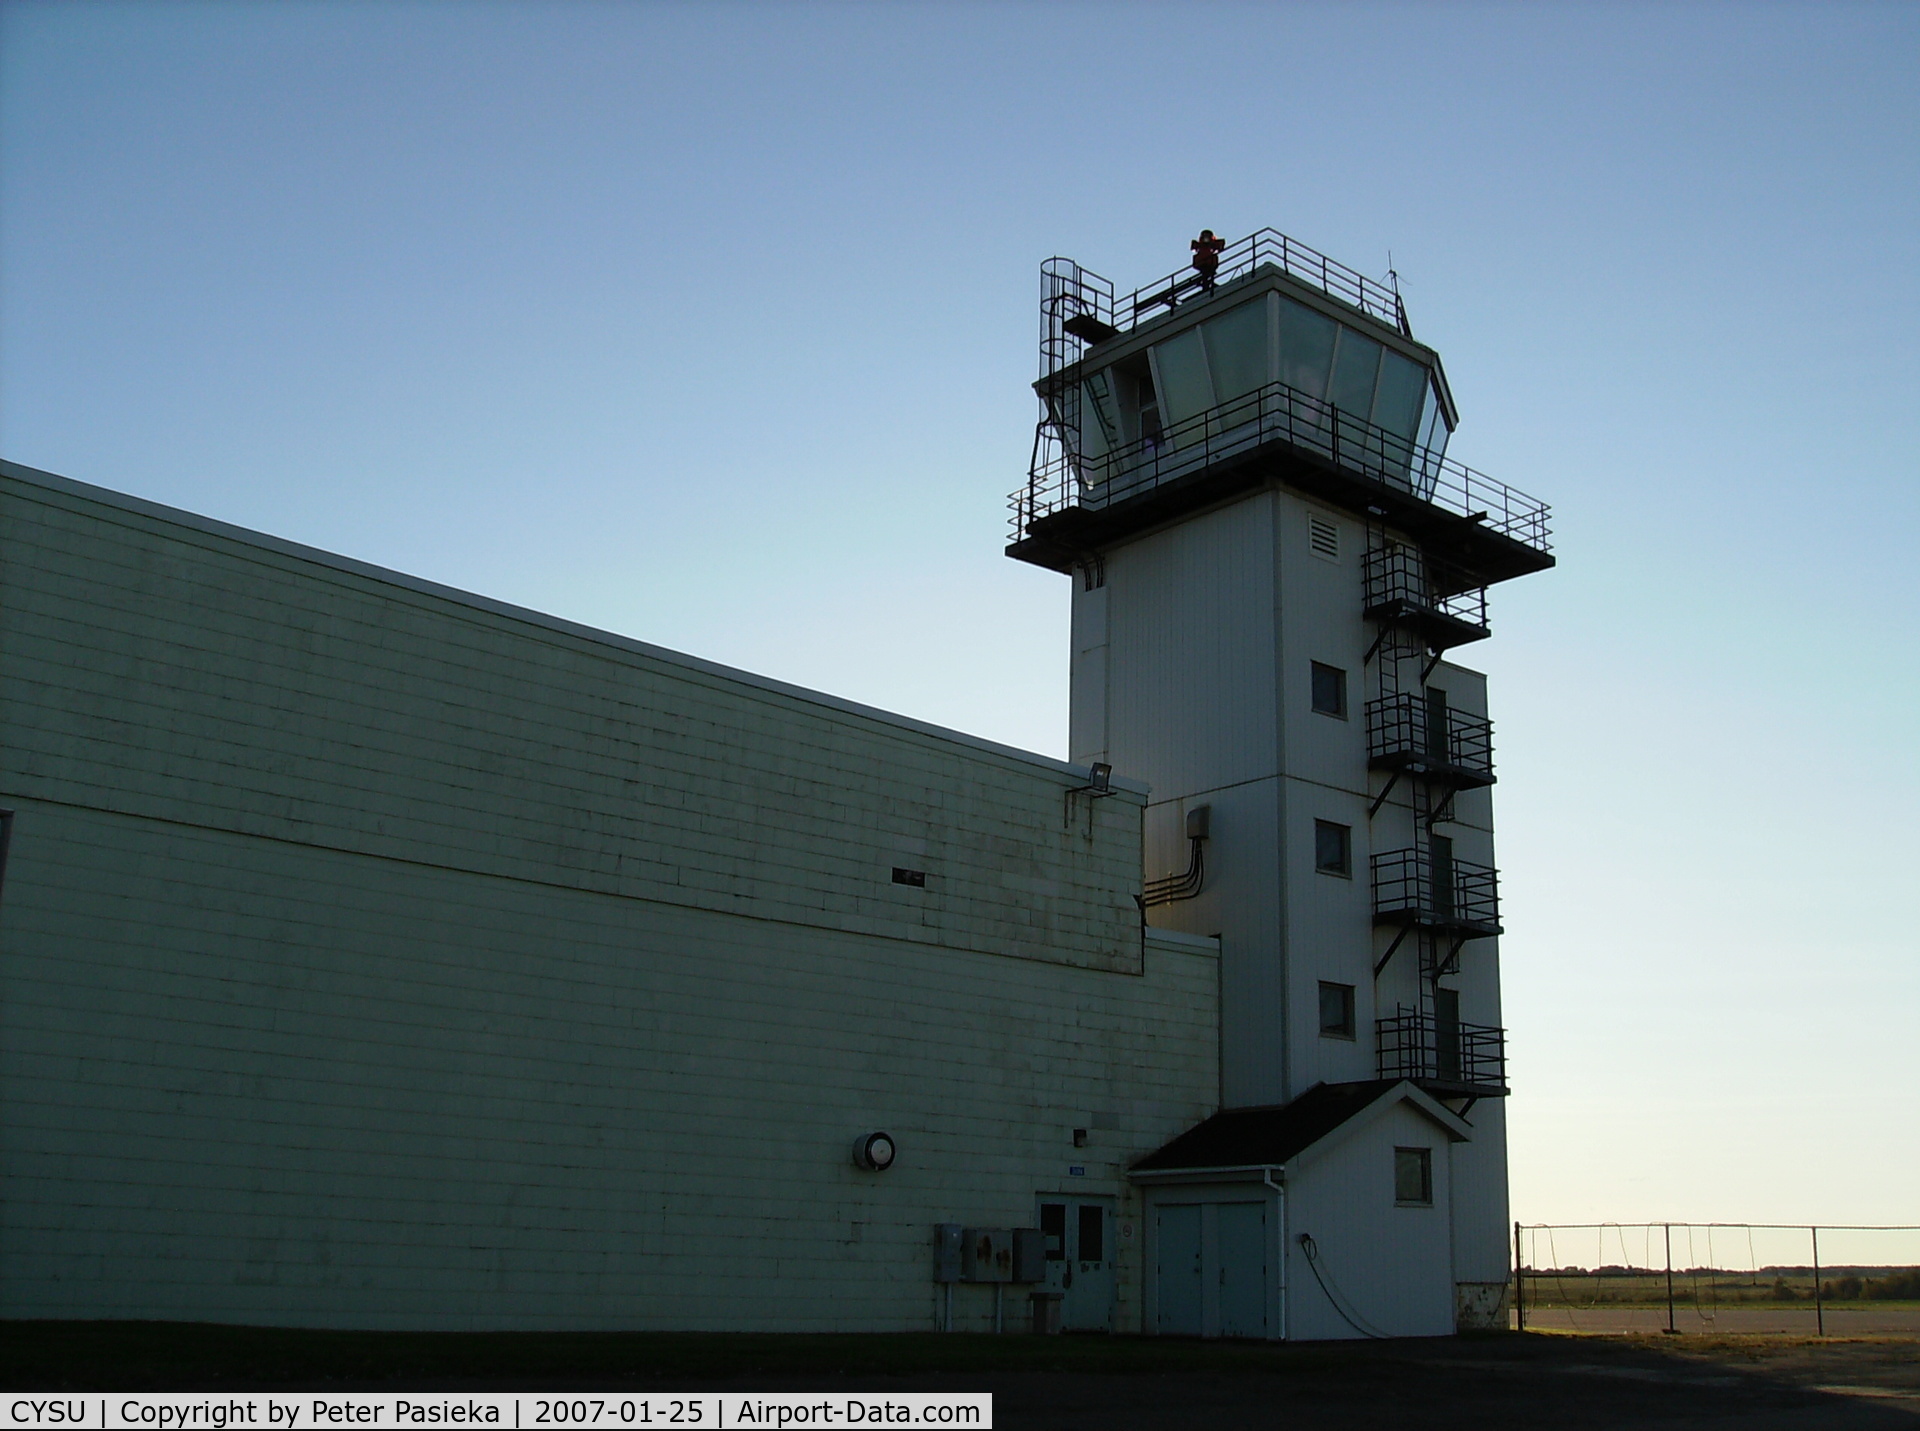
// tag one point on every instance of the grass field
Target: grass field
(1710, 1287)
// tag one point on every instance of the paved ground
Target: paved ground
(1476, 1383)
(1482, 1385)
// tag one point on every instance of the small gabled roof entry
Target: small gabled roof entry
(1273, 1136)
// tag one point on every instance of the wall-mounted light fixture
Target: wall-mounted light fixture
(874, 1151)
(1099, 783)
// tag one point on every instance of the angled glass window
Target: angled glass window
(1356, 368)
(1237, 350)
(1139, 404)
(1396, 407)
(1182, 373)
(1099, 422)
(1433, 437)
(1306, 347)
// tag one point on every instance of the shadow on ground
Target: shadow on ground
(1112, 1383)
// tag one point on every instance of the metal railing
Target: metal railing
(1399, 578)
(1062, 478)
(1070, 293)
(1412, 729)
(1290, 256)
(1411, 886)
(1421, 1047)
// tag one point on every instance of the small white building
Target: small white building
(374, 954)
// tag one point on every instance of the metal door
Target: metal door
(1442, 871)
(1079, 1241)
(1241, 1231)
(1446, 1032)
(1176, 1238)
(1439, 748)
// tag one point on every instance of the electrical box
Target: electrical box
(1199, 822)
(986, 1255)
(1029, 1255)
(946, 1251)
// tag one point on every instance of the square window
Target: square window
(1332, 848)
(1336, 1010)
(1413, 1177)
(1329, 690)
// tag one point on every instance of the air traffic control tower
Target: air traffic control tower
(1245, 474)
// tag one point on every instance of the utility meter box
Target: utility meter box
(986, 1255)
(946, 1251)
(1029, 1255)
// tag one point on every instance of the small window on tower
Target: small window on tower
(1329, 690)
(1333, 848)
(1336, 1010)
(1413, 1177)
(1323, 536)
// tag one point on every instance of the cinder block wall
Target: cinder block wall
(376, 955)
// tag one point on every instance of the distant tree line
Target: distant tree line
(1900, 1286)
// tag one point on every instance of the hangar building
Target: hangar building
(375, 954)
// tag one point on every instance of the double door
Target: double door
(1210, 1268)
(1079, 1238)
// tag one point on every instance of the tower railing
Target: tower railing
(1427, 1049)
(1267, 246)
(1413, 887)
(1089, 296)
(1410, 731)
(1063, 477)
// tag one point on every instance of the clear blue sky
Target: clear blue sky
(713, 325)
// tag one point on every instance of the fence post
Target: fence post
(1668, 1228)
(1819, 1305)
(1519, 1285)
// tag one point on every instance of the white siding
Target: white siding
(1388, 1265)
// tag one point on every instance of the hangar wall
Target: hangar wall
(372, 954)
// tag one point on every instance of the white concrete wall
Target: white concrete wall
(373, 955)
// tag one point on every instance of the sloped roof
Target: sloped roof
(1268, 1137)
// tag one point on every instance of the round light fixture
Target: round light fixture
(874, 1152)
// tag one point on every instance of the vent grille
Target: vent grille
(1323, 537)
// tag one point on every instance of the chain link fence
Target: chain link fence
(1717, 1278)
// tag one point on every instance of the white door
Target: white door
(1176, 1237)
(1241, 1231)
